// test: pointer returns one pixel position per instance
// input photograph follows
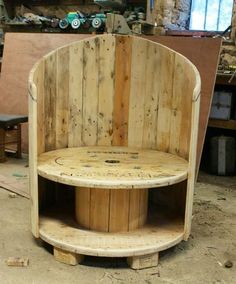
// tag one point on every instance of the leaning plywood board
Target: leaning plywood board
(21, 51)
(204, 53)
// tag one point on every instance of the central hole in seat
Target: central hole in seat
(112, 161)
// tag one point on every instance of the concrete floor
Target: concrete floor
(200, 260)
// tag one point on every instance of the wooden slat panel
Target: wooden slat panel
(119, 210)
(50, 87)
(62, 107)
(99, 209)
(165, 100)
(197, 50)
(122, 90)
(106, 89)
(75, 95)
(82, 208)
(90, 92)
(137, 91)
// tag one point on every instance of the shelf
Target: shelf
(225, 124)
(61, 231)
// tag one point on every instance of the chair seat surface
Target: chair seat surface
(112, 167)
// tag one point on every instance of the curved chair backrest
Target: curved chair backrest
(115, 90)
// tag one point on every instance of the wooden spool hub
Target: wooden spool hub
(111, 210)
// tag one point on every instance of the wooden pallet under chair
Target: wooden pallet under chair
(113, 124)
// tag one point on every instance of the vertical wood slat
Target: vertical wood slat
(134, 208)
(39, 79)
(90, 92)
(137, 93)
(75, 95)
(62, 107)
(165, 91)
(138, 208)
(185, 131)
(176, 109)
(99, 209)
(33, 153)
(151, 98)
(143, 206)
(50, 91)
(119, 210)
(106, 65)
(82, 206)
(123, 51)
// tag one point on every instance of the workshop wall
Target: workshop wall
(176, 14)
(170, 14)
(228, 52)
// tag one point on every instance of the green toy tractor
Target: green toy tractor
(75, 19)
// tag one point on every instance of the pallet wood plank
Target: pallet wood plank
(90, 92)
(151, 97)
(75, 95)
(50, 95)
(106, 90)
(137, 91)
(62, 106)
(122, 90)
(164, 106)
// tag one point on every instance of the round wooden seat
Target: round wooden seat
(112, 167)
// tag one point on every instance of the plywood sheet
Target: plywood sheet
(204, 53)
(21, 51)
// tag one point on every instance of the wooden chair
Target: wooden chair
(113, 119)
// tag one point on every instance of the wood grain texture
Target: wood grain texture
(99, 209)
(90, 92)
(82, 206)
(123, 51)
(75, 95)
(106, 87)
(112, 167)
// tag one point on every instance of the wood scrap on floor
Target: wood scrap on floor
(17, 261)
(14, 186)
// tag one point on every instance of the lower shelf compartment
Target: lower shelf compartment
(61, 231)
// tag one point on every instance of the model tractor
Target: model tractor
(75, 19)
(98, 20)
